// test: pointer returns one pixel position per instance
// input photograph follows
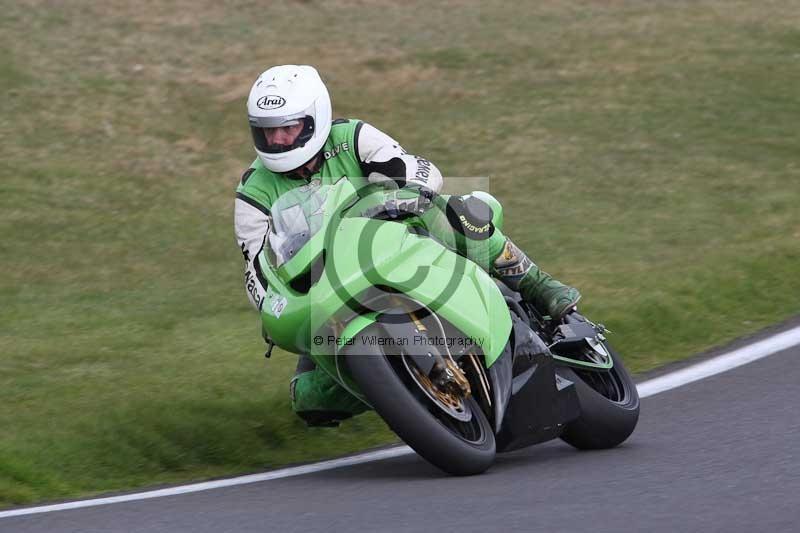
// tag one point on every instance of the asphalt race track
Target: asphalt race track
(721, 454)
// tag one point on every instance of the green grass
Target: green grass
(644, 152)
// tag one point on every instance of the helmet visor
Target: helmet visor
(260, 125)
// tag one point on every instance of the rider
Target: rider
(289, 110)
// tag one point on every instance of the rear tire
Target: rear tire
(458, 448)
(609, 406)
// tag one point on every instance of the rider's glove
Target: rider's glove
(401, 202)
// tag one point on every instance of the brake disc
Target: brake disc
(446, 400)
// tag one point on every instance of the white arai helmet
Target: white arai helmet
(287, 95)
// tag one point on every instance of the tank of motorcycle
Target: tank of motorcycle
(348, 256)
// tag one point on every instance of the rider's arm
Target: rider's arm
(251, 224)
(381, 158)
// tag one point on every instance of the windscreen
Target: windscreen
(296, 217)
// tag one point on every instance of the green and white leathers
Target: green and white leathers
(386, 178)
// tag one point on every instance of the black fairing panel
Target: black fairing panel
(500, 377)
(541, 402)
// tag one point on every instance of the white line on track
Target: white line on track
(717, 365)
(721, 363)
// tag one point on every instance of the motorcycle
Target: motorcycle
(456, 363)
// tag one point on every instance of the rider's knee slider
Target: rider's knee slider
(470, 216)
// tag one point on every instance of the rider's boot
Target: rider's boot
(548, 295)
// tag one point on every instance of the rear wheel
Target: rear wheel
(450, 432)
(609, 406)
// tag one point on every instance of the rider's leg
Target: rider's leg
(471, 225)
(548, 295)
(318, 399)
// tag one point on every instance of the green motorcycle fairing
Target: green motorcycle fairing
(350, 255)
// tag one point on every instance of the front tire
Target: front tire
(457, 447)
(609, 406)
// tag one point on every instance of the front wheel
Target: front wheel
(609, 406)
(452, 434)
